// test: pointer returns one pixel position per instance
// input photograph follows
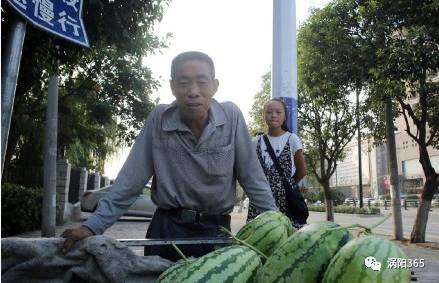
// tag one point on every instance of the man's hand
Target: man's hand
(74, 235)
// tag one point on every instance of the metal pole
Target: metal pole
(284, 67)
(10, 69)
(360, 169)
(50, 150)
(393, 168)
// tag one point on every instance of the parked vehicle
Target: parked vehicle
(143, 206)
(372, 201)
(350, 201)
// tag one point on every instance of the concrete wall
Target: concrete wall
(62, 185)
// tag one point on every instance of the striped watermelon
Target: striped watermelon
(237, 264)
(304, 256)
(170, 274)
(282, 217)
(267, 231)
(349, 264)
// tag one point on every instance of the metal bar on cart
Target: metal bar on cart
(178, 241)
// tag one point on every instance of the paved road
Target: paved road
(408, 219)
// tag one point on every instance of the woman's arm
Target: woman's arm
(299, 162)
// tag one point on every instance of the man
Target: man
(195, 149)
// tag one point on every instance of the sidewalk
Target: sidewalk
(135, 228)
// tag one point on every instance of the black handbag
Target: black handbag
(296, 205)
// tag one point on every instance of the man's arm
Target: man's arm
(136, 171)
(248, 169)
(131, 180)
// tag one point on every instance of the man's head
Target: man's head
(190, 56)
(193, 84)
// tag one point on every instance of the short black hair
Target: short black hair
(192, 55)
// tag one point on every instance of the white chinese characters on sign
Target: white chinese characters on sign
(62, 18)
(44, 11)
(72, 3)
(67, 20)
(21, 3)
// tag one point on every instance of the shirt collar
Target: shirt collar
(171, 120)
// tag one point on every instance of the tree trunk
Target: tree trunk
(418, 232)
(420, 226)
(328, 202)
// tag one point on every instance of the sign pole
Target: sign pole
(284, 70)
(50, 152)
(63, 19)
(10, 69)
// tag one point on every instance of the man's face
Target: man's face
(193, 87)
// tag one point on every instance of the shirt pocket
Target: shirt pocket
(220, 160)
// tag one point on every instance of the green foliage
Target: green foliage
(357, 210)
(21, 209)
(257, 123)
(104, 91)
(404, 39)
(312, 196)
(317, 208)
(347, 209)
(327, 116)
(337, 197)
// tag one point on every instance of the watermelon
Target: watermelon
(304, 256)
(266, 232)
(170, 274)
(237, 264)
(354, 262)
(282, 217)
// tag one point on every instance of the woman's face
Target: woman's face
(274, 114)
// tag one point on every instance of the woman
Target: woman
(288, 150)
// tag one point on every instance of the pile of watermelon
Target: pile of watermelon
(268, 249)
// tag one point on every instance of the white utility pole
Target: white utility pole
(284, 67)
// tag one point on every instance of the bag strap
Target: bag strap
(276, 163)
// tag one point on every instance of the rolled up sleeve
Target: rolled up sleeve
(129, 184)
(248, 170)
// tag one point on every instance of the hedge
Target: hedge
(21, 209)
(347, 209)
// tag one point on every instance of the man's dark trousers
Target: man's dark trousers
(181, 223)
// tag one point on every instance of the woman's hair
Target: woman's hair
(284, 124)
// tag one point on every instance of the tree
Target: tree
(326, 114)
(326, 127)
(104, 90)
(406, 37)
(257, 123)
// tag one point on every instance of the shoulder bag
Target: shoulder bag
(296, 206)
